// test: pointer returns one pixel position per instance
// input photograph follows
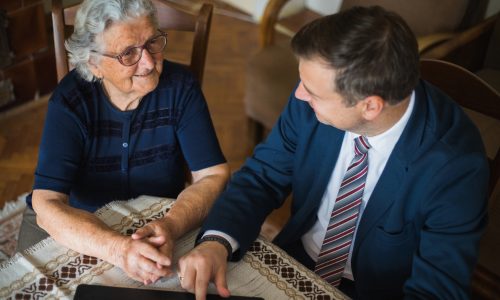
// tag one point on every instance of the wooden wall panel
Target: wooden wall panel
(27, 30)
(23, 77)
(45, 70)
(34, 72)
(10, 5)
(29, 2)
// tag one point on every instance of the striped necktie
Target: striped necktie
(340, 232)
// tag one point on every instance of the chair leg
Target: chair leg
(485, 284)
(255, 131)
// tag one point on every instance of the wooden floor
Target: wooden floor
(232, 42)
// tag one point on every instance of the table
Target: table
(48, 270)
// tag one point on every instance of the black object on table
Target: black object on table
(100, 292)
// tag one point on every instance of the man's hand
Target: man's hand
(205, 263)
(140, 259)
(155, 232)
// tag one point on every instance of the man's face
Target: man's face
(316, 88)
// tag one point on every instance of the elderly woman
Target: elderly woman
(118, 126)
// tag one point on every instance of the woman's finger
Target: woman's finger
(151, 253)
(140, 275)
(150, 267)
(143, 232)
(157, 241)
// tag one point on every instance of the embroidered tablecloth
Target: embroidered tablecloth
(50, 271)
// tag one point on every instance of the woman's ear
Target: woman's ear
(373, 106)
(94, 69)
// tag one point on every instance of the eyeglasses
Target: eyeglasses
(131, 56)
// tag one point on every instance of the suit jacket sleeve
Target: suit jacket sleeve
(455, 213)
(262, 184)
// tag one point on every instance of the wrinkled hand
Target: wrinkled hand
(153, 232)
(140, 259)
(207, 262)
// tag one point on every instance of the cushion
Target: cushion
(490, 243)
(423, 16)
(492, 60)
(491, 77)
(272, 74)
(489, 129)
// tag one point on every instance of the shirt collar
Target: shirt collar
(384, 143)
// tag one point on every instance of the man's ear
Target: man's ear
(373, 106)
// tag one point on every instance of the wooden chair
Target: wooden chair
(171, 17)
(476, 49)
(273, 71)
(482, 103)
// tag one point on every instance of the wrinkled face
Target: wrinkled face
(316, 88)
(139, 79)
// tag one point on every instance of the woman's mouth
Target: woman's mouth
(146, 74)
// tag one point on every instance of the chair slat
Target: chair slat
(171, 17)
(174, 19)
(70, 14)
(60, 50)
(464, 87)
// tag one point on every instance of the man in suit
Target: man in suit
(389, 176)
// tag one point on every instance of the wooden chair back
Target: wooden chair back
(429, 32)
(171, 17)
(471, 92)
(269, 19)
(468, 91)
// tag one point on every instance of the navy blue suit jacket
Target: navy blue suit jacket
(419, 235)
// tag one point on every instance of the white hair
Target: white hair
(93, 18)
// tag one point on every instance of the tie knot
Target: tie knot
(361, 145)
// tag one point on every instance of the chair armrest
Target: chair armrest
(269, 19)
(461, 39)
(428, 41)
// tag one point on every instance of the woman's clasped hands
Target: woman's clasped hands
(147, 255)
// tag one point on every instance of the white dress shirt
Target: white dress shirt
(381, 148)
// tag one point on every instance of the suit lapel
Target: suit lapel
(323, 150)
(394, 173)
(327, 154)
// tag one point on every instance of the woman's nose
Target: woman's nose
(147, 61)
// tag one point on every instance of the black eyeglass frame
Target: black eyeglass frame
(119, 57)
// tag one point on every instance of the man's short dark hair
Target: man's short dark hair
(373, 51)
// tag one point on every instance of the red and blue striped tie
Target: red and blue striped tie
(340, 232)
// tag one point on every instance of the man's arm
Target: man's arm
(261, 186)
(85, 233)
(263, 183)
(455, 211)
(189, 211)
